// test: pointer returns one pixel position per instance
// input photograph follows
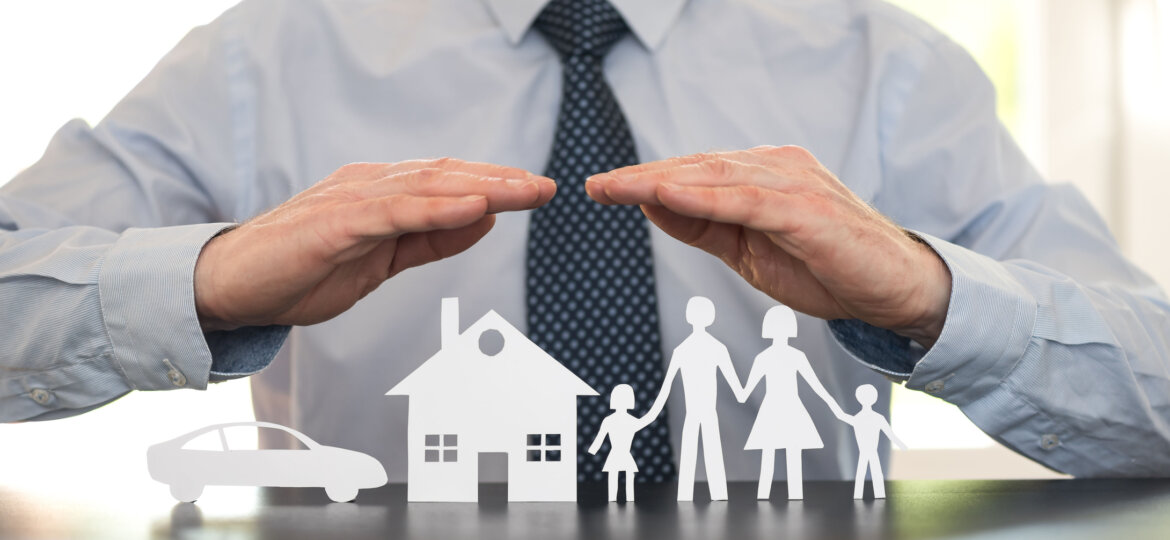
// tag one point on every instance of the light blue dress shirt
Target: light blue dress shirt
(1054, 343)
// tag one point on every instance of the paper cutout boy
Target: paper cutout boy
(620, 427)
(868, 425)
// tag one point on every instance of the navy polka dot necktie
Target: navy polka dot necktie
(591, 296)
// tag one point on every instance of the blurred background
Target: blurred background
(1084, 85)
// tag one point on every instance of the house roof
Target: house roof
(521, 367)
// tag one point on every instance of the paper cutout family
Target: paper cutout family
(496, 368)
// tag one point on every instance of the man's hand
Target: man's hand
(787, 225)
(314, 256)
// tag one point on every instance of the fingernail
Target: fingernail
(591, 187)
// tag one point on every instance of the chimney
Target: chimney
(449, 322)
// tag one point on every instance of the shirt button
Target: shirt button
(1049, 441)
(177, 378)
(40, 395)
(934, 387)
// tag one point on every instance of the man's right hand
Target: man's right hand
(313, 257)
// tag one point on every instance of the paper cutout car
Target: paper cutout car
(489, 390)
(187, 470)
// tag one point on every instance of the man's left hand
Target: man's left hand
(787, 225)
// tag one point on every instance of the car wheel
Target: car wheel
(186, 493)
(341, 494)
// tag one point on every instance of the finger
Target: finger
(792, 162)
(642, 188)
(790, 167)
(473, 167)
(680, 161)
(745, 251)
(759, 155)
(403, 213)
(718, 239)
(639, 187)
(667, 163)
(503, 194)
(417, 249)
(750, 206)
(373, 171)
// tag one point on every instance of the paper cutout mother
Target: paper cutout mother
(782, 421)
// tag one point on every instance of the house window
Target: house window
(441, 448)
(545, 447)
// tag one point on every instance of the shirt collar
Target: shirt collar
(649, 20)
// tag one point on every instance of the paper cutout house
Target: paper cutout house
(490, 389)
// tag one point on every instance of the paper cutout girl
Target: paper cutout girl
(620, 427)
(782, 421)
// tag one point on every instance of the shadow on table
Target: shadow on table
(912, 510)
(285, 513)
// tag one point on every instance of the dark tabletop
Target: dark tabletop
(1050, 509)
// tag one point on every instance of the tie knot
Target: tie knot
(579, 27)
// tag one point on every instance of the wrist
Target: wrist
(207, 305)
(933, 296)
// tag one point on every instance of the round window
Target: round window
(491, 342)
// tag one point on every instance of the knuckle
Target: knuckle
(443, 163)
(426, 174)
(499, 171)
(756, 202)
(356, 168)
(389, 202)
(821, 203)
(701, 157)
(751, 192)
(342, 174)
(715, 166)
(334, 193)
(794, 152)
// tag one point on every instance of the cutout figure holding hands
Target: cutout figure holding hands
(620, 427)
(868, 426)
(782, 421)
(699, 359)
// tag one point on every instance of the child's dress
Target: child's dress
(620, 427)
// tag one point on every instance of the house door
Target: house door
(493, 466)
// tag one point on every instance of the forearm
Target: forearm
(91, 314)
(1074, 375)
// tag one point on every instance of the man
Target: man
(1010, 299)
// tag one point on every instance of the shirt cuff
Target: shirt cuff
(244, 351)
(147, 292)
(987, 330)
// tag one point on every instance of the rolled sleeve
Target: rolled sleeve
(147, 296)
(988, 328)
(1004, 360)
